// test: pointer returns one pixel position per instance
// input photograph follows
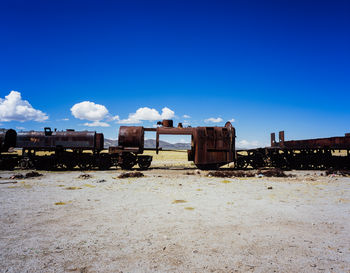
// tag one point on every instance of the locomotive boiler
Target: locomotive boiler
(49, 140)
(61, 149)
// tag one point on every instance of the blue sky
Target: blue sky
(269, 65)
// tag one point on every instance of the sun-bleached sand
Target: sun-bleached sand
(169, 221)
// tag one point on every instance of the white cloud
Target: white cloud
(97, 124)
(14, 108)
(65, 119)
(20, 128)
(247, 144)
(115, 118)
(186, 116)
(213, 120)
(167, 113)
(149, 114)
(232, 120)
(89, 111)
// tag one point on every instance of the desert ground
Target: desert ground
(174, 219)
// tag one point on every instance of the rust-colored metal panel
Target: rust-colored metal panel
(99, 141)
(131, 137)
(213, 145)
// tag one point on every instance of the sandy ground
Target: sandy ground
(169, 221)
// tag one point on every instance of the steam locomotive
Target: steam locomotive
(47, 150)
(211, 148)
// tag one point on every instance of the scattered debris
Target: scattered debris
(231, 174)
(27, 175)
(84, 176)
(131, 174)
(190, 173)
(273, 173)
(338, 172)
(260, 173)
(179, 201)
(33, 174)
(101, 181)
(269, 188)
(17, 176)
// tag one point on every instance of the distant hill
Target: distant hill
(110, 142)
(151, 143)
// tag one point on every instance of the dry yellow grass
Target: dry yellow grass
(168, 155)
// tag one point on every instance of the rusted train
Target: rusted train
(68, 149)
(307, 154)
(211, 148)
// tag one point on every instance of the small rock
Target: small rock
(131, 174)
(17, 176)
(32, 174)
(84, 176)
(269, 188)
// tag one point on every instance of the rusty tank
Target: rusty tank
(49, 140)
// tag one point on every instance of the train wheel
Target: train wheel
(69, 165)
(128, 161)
(84, 166)
(241, 163)
(144, 162)
(25, 163)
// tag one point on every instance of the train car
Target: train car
(211, 147)
(84, 149)
(305, 154)
(62, 149)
